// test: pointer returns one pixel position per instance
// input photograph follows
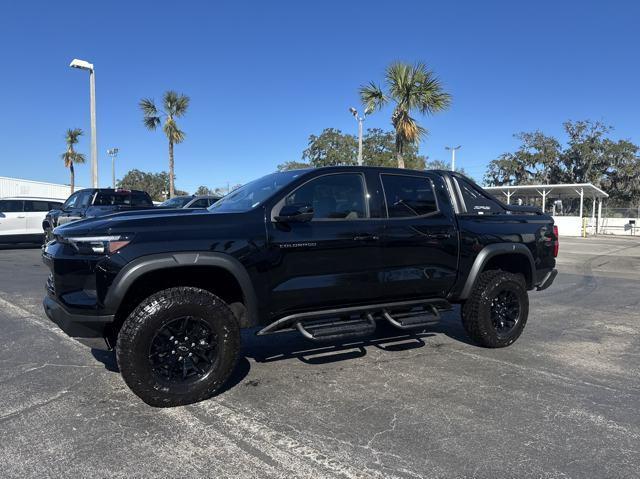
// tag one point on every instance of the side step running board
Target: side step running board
(413, 319)
(328, 330)
(290, 322)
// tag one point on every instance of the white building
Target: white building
(20, 187)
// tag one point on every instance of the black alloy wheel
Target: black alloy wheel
(505, 312)
(184, 350)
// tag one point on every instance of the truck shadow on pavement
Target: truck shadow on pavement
(290, 345)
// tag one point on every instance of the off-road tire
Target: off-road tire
(476, 312)
(153, 314)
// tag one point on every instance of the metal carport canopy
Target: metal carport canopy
(568, 189)
(572, 190)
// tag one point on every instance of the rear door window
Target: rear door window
(35, 206)
(408, 196)
(476, 201)
(11, 206)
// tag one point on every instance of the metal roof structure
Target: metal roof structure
(571, 190)
(568, 190)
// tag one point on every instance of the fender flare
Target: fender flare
(489, 252)
(154, 262)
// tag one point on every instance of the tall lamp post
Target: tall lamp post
(113, 153)
(359, 119)
(453, 155)
(84, 65)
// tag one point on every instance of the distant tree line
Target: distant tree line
(334, 148)
(156, 184)
(589, 155)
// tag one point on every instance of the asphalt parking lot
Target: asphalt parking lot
(563, 401)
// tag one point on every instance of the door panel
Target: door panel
(35, 212)
(12, 218)
(334, 259)
(420, 240)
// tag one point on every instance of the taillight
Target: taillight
(556, 241)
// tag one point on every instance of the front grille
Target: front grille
(51, 286)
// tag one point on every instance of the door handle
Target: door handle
(439, 236)
(21, 217)
(366, 237)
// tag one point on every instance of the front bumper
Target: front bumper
(86, 328)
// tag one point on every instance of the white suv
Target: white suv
(21, 218)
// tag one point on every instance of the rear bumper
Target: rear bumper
(85, 328)
(547, 280)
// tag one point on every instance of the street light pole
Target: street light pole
(113, 153)
(84, 65)
(360, 120)
(453, 155)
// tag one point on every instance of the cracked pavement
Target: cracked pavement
(561, 402)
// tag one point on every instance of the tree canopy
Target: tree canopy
(587, 156)
(156, 184)
(334, 148)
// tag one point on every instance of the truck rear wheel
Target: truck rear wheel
(495, 314)
(179, 346)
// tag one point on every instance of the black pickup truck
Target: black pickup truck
(330, 252)
(94, 202)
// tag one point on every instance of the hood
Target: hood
(130, 221)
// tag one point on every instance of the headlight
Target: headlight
(98, 244)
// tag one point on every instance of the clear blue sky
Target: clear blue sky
(262, 76)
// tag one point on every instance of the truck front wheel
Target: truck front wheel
(179, 346)
(495, 314)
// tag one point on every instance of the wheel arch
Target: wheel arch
(177, 265)
(512, 257)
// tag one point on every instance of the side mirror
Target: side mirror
(296, 213)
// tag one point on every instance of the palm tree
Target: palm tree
(175, 105)
(411, 87)
(71, 157)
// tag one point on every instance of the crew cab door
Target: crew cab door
(420, 239)
(35, 211)
(334, 258)
(12, 218)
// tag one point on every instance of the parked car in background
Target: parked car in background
(190, 201)
(94, 202)
(21, 218)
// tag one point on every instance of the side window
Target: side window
(55, 206)
(140, 199)
(84, 199)
(71, 201)
(201, 203)
(11, 206)
(338, 197)
(476, 201)
(36, 206)
(408, 196)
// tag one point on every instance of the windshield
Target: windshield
(252, 194)
(176, 202)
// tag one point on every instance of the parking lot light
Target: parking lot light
(85, 65)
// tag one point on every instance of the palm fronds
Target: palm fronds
(411, 87)
(372, 97)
